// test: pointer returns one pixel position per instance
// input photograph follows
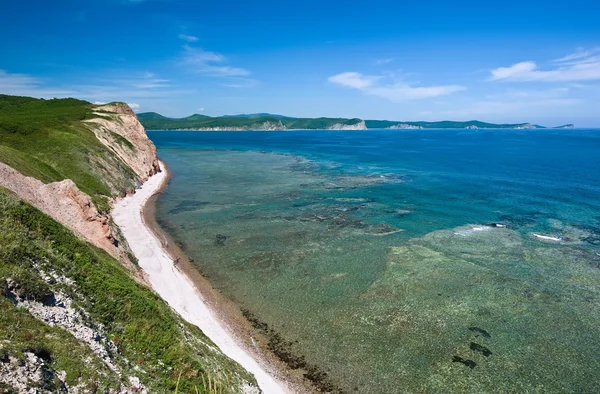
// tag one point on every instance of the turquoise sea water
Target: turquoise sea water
(425, 261)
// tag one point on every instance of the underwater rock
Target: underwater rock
(220, 240)
(480, 331)
(469, 363)
(383, 229)
(188, 206)
(481, 349)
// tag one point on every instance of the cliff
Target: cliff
(264, 126)
(121, 157)
(76, 316)
(65, 203)
(357, 126)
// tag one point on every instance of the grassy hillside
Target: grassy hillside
(152, 342)
(154, 121)
(47, 139)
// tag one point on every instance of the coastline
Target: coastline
(173, 277)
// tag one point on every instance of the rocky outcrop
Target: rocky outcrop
(118, 129)
(405, 126)
(265, 126)
(66, 204)
(525, 126)
(340, 126)
(565, 126)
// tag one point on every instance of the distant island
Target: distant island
(270, 122)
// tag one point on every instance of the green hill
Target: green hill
(446, 124)
(151, 121)
(154, 121)
(46, 139)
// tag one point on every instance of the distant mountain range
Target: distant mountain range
(266, 121)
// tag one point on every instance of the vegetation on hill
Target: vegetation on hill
(154, 121)
(152, 342)
(46, 139)
(446, 124)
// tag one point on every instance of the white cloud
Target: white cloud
(241, 83)
(210, 63)
(579, 66)
(394, 91)
(187, 38)
(26, 85)
(384, 61)
(151, 83)
(580, 54)
(354, 80)
(134, 106)
(200, 109)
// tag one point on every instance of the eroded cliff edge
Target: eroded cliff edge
(128, 159)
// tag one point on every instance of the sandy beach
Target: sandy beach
(178, 290)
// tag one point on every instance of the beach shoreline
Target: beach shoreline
(172, 275)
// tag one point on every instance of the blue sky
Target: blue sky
(510, 61)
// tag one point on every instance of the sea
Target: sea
(402, 261)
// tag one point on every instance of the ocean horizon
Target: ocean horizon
(401, 261)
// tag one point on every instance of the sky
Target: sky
(509, 61)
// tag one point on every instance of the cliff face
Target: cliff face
(357, 126)
(264, 126)
(128, 160)
(119, 130)
(66, 204)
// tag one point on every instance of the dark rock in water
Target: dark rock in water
(220, 240)
(284, 350)
(188, 206)
(481, 349)
(525, 219)
(383, 229)
(480, 331)
(497, 225)
(469, 363)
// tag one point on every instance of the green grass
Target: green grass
(147, 332)
(47, 139)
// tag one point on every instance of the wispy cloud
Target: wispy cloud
(103, 89)
(187, 38)
(241, 83)
(134, 106)
(392, 90)
(151, 83)
(210, 63)
(26, 85)
(381, 62)
(583, 65)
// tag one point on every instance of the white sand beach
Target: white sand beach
(177, 289)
